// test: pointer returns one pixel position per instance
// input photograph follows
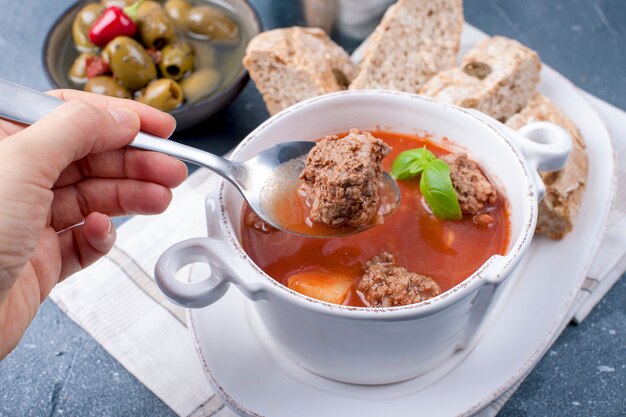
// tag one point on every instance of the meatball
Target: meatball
(472, 187)
(384, 284)
(342, 178)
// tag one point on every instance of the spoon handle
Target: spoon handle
(26, 106)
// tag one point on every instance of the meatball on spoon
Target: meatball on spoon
(263, 181)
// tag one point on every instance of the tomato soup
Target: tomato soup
(449, 251)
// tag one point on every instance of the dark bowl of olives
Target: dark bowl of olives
(180, 56)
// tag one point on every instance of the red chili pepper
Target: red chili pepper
(113, 22)
(95, 66)
(155, 54)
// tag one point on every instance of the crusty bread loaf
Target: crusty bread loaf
(564, 188)
(498, 77)
(293, 64)
(415, 40)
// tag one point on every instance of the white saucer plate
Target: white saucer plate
(254, 378)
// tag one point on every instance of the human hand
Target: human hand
(71, 167)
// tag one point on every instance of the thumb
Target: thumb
(69, 133)
(83, 245)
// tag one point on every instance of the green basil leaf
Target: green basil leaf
(436, 187)
(411, 163)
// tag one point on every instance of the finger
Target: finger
(127, 163)
(152, 120)
(99, 232)
(73, 203)
(68, 133)
(85, 244)
(9, 128)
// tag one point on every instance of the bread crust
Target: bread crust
(293, 64)
(415, 40)
(498, 77)
(564, 188)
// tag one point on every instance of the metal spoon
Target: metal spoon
(252, 178)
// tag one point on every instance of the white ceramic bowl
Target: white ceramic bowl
(372, 345)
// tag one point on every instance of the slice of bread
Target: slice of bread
(294, 64)
(498, 77)
(415, 40)
(564, 188)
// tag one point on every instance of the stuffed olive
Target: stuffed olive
(177, 10)
(177, 60)
(105, 85)
(78, 71)
(208, 22)
(130, 63)
(163, 94)
(81, 25)
(156, 29)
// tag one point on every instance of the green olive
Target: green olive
(118, 3)
(78, 71)
(177, 59)
(105, 85)
(131, 65)
(163, 94)
(200, 84)
(177, 10)
(146, 8)
(478, 70)
(156, 29)
(80, 27)
(207, 22)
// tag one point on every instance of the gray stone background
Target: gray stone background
(58, 369)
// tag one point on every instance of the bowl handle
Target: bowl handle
(546, 147)
(199, 294)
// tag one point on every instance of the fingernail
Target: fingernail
(124, 117)
(174, 128)
(110, 227)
